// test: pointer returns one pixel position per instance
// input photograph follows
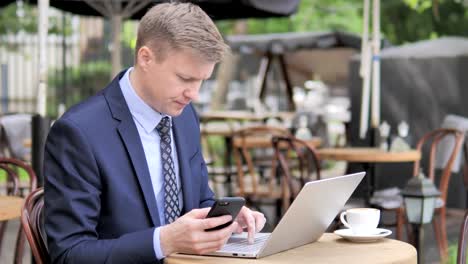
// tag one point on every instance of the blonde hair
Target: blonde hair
(177, 26)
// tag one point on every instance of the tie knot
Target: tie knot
(164, 126)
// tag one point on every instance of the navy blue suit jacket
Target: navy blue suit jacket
(99, 202)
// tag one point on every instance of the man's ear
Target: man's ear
(145, 57)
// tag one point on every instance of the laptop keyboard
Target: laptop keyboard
(241, 245)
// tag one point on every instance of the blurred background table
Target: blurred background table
(224, 124)
(330, 248)
(368, 157)
(10, 207)
(243, 116)
(262, 142)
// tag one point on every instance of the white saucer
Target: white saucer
(348, 234)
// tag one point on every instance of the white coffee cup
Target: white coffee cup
(361, 221)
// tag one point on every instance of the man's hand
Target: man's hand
(187, 234)
(253, 221)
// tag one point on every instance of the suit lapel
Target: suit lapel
(131, 139)
(184, 162)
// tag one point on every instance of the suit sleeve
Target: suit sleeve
(72, 205)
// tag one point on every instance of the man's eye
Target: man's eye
(184, 79)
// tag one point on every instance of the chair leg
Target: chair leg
(438, 235)
(19, 251)
(3, 226)
(443, 234)
(409, 233)
(400, 223)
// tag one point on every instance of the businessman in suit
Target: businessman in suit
(125, 180)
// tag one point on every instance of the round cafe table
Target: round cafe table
(10, 207)
(369, 157)
(330, 248)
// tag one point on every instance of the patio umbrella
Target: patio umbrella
(119, 10)
(217, 9)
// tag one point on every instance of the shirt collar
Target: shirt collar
(146, 116)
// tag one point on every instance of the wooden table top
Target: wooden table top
(224, 130)
(243, 115)
(10, 207)
(330, 248)
(358, 154)
(265, 142)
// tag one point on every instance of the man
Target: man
(124, 173)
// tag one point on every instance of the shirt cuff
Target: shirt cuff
(157, 244)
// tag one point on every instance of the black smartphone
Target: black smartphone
(225, 206)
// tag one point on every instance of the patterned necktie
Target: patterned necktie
(171, 198)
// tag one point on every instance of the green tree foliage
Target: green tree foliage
(401, 20)
(11, 23)
(312, 15)
(15, 19)
(413, 20)
(82, 81)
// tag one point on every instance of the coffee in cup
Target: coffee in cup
(361, 221)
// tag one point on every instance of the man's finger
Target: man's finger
(207, 247)
(260, 221)
(239, 229)
(250, 221)
(211, 222)
(216, 235)
(199, 213)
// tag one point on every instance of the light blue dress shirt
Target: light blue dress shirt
(146, 119)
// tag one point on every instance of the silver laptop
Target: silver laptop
(315, 207)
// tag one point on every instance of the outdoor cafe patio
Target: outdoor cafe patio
(282, 110)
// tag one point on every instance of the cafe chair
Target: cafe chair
(252, 148)
(450, 140)
(11, 189)
(298, 164)
(440, 137)
(12, 180)
(32, 221)
(460, 123)
(462, 241)
(16, 165)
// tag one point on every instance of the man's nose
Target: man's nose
(192, 92)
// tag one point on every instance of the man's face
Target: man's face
(171, 84)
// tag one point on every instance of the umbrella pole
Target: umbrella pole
(43, 26)
(375, 117)
(116, 53)
(364, 72)
(40, 121)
